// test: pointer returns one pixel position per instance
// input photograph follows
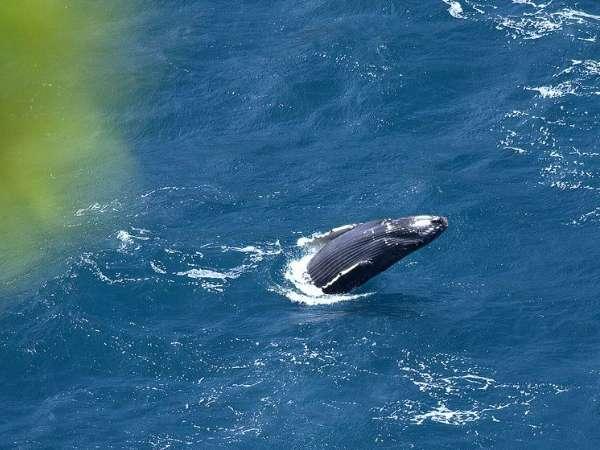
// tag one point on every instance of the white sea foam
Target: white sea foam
(559, 90)
(442, 414)
(300, 288)
(557, 141)
(124, 237)
(169, 188)
(98, 208)
(593, 215)
(157, 268)
(452, 391)
(588, 39)
(127, 240)
(256, 254)
(578, 16)
(530, 3)
(207, 273)
(455, 9)
(529, 27)
(88, 260)
(213, 280)
(217, 278)
(539, 21)
(534, 20)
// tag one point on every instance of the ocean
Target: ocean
(169, 309)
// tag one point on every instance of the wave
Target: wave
(555, 127)
(452, 391)
(528, 20)
(134, 253)
(580, 79)
(454, 9)
(143, 256)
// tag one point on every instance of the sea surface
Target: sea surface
(172, 313)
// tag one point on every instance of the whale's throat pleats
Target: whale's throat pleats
(347, 263)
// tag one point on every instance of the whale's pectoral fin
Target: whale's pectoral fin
(338, 231)
(320, 239)
(350, 278)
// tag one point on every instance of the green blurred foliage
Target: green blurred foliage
(56, 151)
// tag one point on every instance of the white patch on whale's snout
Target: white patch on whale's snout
(429, 225)
(423, 221)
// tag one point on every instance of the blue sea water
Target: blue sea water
(175, 321)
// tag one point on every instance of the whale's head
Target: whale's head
(414, 232)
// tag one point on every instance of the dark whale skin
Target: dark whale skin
(364, 251)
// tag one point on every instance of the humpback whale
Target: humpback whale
(353, 254)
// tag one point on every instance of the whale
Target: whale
(353, 254)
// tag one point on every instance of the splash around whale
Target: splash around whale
(350, 255)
